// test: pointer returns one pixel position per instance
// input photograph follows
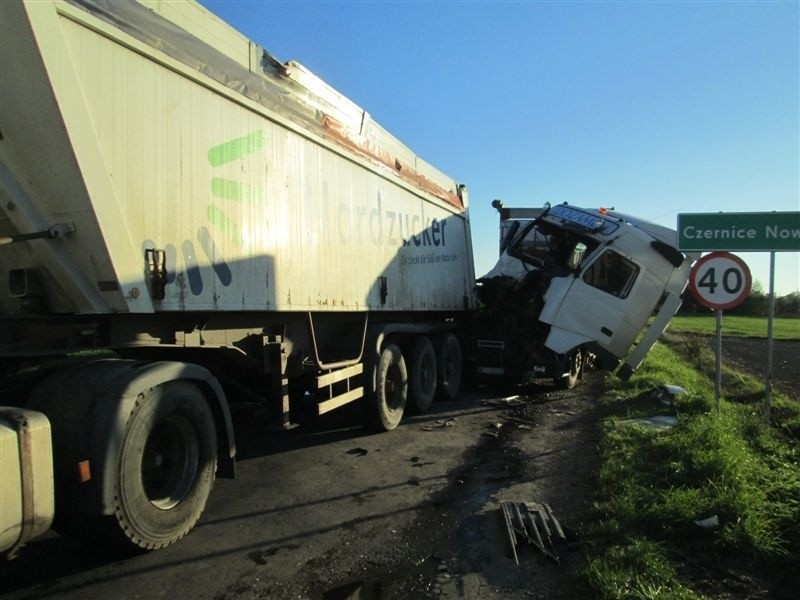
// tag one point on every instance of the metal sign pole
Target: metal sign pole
(718, 382)
(768, 378)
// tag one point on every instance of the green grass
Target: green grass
(654, 485)
(783, 328)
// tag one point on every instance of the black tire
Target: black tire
(388, 403)
(422, 375)
(449, 360)
(166, 466)
(574, 371)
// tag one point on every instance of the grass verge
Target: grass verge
(783, 328)
(725, 464)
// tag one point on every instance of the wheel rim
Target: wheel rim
(169, 462)
(394, 388)
(427, 373)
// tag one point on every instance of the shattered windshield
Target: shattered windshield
(541, 244)
(534, 245)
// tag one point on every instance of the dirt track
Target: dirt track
(750, 355)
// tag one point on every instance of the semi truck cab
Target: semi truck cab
(573, 284)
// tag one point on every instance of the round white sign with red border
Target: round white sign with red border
(720, 280)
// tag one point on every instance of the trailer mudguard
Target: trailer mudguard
(88, 406)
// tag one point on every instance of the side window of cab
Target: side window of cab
(612, 273)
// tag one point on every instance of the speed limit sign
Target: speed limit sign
(720, 280)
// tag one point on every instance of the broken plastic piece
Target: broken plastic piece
(669, 391)
(709, 522)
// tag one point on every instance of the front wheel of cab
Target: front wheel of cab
(166, 467)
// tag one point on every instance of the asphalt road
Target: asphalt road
(334, 512)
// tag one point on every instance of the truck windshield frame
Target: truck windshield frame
(540, 243)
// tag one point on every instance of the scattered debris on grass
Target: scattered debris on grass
(708, 523)
(658, 422)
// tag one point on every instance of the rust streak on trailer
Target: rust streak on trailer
(336, 131)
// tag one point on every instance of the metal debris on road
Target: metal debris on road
(509, 402)
(495, 430)
(534, 523)
(440, 424)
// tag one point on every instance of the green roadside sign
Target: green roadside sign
(751, 232)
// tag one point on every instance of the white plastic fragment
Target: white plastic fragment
(709, 522)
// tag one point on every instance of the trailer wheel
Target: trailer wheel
(575, 368)
(422, 375)
(391, 389)
(450, 366)
(167, 465)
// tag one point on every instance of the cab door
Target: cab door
(595, 305)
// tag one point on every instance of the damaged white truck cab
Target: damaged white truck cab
(573, 284)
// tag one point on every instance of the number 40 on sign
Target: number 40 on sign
(720, 280)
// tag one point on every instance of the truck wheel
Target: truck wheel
(450, 366)
(422, 375)
(391, 389)
(167, 465)
(575, 367)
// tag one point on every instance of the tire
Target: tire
(422, 375)
(391, 390)
(166, 467)
(574, 371)
(450, 366)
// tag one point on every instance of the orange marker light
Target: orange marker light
(84, 471)
(602, 211)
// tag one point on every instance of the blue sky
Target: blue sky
(654, 108)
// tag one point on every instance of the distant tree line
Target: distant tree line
(755, 305)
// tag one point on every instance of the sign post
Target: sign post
(771, 318)
(720, 281)
(752, 232)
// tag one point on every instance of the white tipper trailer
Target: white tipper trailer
(185, 222)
